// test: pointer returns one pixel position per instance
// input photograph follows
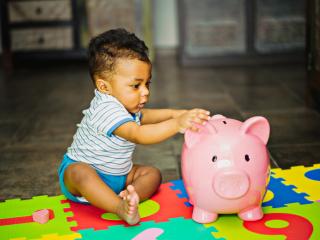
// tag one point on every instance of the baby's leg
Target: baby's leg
(145, 179)
(82, 180)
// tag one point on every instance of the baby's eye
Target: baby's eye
(136, 86)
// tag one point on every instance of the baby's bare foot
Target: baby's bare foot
(123, 194)
(128, 208)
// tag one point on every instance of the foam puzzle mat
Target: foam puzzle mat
(291, 211)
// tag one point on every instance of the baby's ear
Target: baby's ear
(103, 86)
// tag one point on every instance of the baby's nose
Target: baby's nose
(145, 91)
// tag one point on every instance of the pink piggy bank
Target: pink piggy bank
(225, 168)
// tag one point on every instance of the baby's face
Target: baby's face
(130, 83)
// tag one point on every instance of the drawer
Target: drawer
(53, 38)
(21, 11)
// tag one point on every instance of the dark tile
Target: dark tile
(216, 104)
(293, 155)
(170, 174)
(301, 126)
(158, 155)
(255, 98)
(296, 81)
(262, 75)
(8, 129)
(24, 174)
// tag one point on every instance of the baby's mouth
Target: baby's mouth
(141, 105)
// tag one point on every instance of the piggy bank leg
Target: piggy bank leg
(251, 214)
(201, 216)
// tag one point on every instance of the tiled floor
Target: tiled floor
(41, 105)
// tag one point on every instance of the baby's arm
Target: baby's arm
(158, 132)
(159, 115)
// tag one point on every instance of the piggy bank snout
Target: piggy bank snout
(231, 184)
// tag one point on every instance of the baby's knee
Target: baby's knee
(78, 173)
(156, 173)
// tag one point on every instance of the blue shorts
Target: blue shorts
(116, 183)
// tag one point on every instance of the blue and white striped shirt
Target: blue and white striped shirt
(94, 142)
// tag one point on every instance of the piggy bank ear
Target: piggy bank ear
(192, 137)
(257, 126)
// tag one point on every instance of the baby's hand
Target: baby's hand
(187, 120)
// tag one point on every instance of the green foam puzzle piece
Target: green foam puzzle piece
(175, 228)
(19, 208)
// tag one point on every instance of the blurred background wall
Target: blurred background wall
(166, 24)
(210, 32)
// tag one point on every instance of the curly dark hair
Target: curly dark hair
(106, 48)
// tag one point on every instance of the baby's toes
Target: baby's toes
(123, 194)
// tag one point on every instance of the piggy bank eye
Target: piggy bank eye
(214, 158)
(247, 158)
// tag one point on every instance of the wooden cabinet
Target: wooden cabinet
(40, 39)
(40, 29)
(222, 32)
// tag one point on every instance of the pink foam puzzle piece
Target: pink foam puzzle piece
(149, 234)
(41, 216)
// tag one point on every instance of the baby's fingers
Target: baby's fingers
(200, 118)
(203, 117)
(196, 125)
(197, 120)
(194, 128)
(202, 111)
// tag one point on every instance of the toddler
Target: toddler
(97, 168)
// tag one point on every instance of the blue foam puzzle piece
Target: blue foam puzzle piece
(313, 174)
(283, 194)
(178, 185)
